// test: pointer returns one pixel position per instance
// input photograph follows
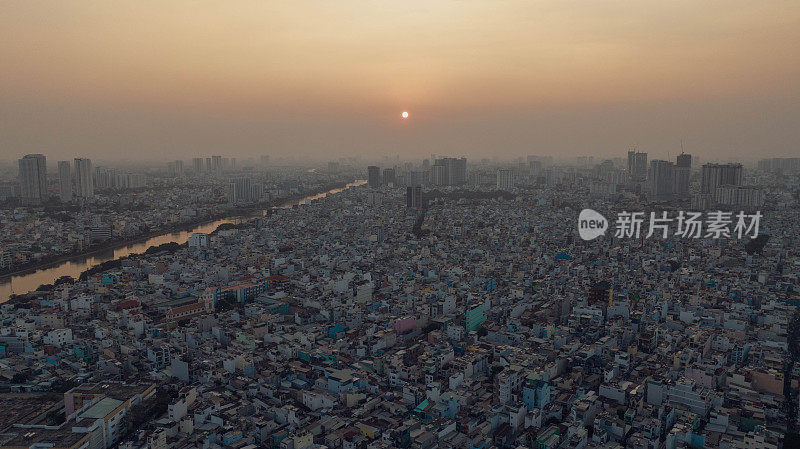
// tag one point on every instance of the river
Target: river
(24, 283)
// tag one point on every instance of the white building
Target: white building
(130, 180)
(33, 179)
(505, 179)
(744, 196)
(198, 240)
(84, 178)
(58, 337)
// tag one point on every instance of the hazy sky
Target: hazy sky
(320, 78)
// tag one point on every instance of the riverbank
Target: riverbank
(111, 245)
(73, 266)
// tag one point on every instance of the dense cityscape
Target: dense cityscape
(418, 224)
(415, 304)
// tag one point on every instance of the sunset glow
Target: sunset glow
(567, 76)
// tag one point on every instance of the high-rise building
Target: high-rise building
(715, 175)
(534, 166)
(414, 197)
(33, 179)
(197, 165)
(216, 164)
(265, 160)
(129, 180)
(458, 175)
(175, 168)
(662, 177)
(683, 171)
(637, 166)
(742, 196)
(439, 175)
(608, 173)
(84, 181)
(105, 178)
(208, 164)
(388, 176)
(239, 190)
(417, 177)
(455, 170)
(373, 176)
(543, 161)
(780, 164)
(256, 192)
(718, 184)
(505, 179)
(8, 191)
(64, 181)
(685, 160)
(584, 161)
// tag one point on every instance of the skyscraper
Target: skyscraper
(197, 165)
(662, 177)
(129, 180)
(417, 177)
(534, 165)
(637, 166)
(780, 164)
(453, 173)
(84, 181)
(718, 180)
(438, 175)
(240, 190)
(458, 174)
(105, 178)
(64, 181)
(256, 192)
(389, 176)
(374, 176)
(414, 197)
(33, 179)
(176, 168)
(683, 171)
(715, 175)
(505, 179)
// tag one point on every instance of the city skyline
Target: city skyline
(478, 79)
(429, 224)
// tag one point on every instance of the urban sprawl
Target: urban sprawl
(435, 303)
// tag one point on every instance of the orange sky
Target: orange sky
(312, 77)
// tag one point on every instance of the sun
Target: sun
(404, 114)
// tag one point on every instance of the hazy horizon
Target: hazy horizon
(321, 80)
